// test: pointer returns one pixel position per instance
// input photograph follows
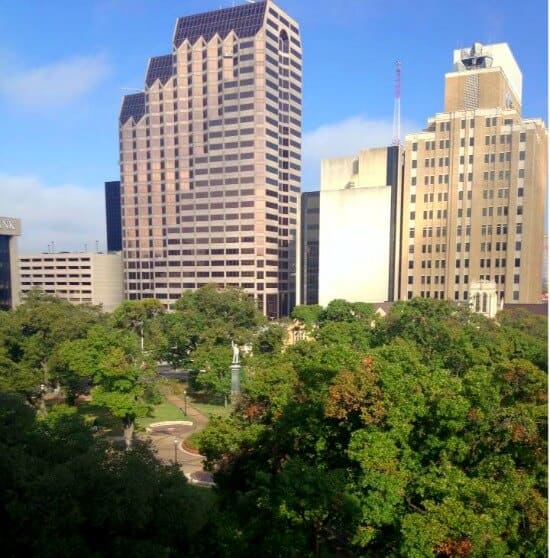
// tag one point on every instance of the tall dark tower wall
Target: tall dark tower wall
(112, 215)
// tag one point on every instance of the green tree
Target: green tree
(30, 335)
(424, 436)
(121, 375)
(211, 369)
(65, 493)
(143, 317)
(207, 320)
(307, 313)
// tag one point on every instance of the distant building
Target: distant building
(113, 216)
(79, 277)
(545, 266)
(359, 226)
(10, 229)
(210, 158)
(309, 242)
(474, 189)
(483, 298)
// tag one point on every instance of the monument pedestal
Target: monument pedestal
(235, 380)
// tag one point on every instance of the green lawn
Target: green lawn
(163, 412)
(210, 409)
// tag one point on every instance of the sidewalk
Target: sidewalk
(199, 420)
(190, 463)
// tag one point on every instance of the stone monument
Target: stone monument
(235, 371)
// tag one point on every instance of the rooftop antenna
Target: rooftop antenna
(53, 247)
(97, 246)
(397, 106)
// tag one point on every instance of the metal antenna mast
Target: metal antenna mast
(397, 106)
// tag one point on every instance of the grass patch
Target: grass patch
(192, 441)
(162, 412)
(171, 386)
(211, 409)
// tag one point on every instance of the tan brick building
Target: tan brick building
(210, 160)
(474, 191)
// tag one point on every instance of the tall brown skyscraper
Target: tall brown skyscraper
(210, 156)
(474, 191)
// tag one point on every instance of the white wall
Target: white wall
(354, 244)
(107, 280)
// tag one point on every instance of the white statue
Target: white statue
(235, 348)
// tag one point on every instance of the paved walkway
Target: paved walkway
(168, 443)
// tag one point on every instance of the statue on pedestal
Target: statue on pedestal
(235, 348)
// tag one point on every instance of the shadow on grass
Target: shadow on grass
(100, 416)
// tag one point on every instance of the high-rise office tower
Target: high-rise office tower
(210, 157)
(309, 241)
(112, 215)
(475, 187)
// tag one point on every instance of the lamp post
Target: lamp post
(185, 402)
(176, 451)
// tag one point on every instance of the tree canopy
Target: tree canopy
(423, 434)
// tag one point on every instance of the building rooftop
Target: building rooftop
(160, 67)
(245, 20)
(133, 106)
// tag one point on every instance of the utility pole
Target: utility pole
(397, 106)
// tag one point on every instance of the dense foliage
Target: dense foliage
(423, 433)
(63, 493)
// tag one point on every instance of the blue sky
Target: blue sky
(64, 66)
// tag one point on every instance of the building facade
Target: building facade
(10, 229)
(359, 226)
(210, 160)
(309, 253)
(79, 277)
(475, 187)
(112, 216)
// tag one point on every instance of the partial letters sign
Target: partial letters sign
(7, 224)
(10, 226)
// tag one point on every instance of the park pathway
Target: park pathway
(169, 445)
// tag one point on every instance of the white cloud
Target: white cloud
(70, 216)
(56, 84)
(344, 138)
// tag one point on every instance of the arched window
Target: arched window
(283, 41)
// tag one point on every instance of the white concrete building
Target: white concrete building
(359, 212)
(484, 298)
(79, 277)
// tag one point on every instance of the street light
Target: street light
(176, 451)
(185, 402)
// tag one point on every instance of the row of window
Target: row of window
(74, 283)
(486, 246)
(174, 296)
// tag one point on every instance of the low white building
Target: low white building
(484, 298)
(358, 236)
(79, 277)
